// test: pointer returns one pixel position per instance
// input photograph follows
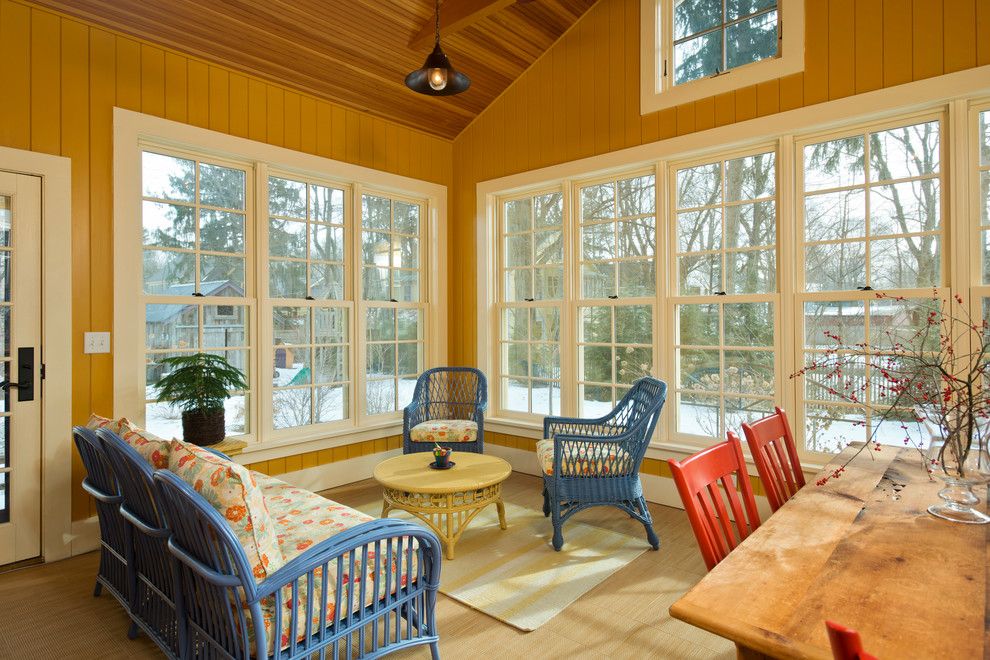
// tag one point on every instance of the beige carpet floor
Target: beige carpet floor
(516, 576)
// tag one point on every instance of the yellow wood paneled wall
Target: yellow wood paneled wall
(59, 81)
(581, 98)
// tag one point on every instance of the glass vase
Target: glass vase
(962, 466)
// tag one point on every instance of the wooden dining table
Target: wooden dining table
(860, 550)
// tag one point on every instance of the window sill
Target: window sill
(751, 74)
(275, 449)
(658, 449)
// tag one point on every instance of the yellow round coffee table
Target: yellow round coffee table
(446, 500)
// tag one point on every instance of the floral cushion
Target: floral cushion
(585, 459)
(232, 491)
(153, 449)
(118, 426)
(303, 519)
(444, 430)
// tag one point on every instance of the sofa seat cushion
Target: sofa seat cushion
(443, 431)
(302, 520)
(153, 449)
(589, 459)
(233, 492)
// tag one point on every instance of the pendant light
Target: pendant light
(437, 77)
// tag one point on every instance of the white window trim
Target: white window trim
(956, 92)
(131, 131)
(657, 93)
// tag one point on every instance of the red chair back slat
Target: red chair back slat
(846, 644)
(772, 446)
(706, 485)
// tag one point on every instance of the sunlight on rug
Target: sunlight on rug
(515, 576)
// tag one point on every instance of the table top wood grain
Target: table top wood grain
(411, 472)
(862, 551)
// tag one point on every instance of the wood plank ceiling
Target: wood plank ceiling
(354, 52)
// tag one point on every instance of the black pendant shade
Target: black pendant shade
(437, 77)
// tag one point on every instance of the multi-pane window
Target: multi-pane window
(872, 210)
(533, 253)
(194, 219)
(714, 36)
(983, 192)
(341, 308)
(831, 420)
(532, 284)
(724, 311)
(615, 347)
(394, 357)
(185, 326)
(390, 249)
(311, 375)
(618, 238)
(306, 240)
(193, 215)
(872, 220)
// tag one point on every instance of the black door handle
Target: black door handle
(25, 375)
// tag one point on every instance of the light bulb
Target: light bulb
(438, 78)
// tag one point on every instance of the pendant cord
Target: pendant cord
(437, 32)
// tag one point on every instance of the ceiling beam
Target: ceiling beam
(455, 15)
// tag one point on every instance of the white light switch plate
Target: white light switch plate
(97, 342)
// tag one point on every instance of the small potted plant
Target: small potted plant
(199, 384)
(441, 456)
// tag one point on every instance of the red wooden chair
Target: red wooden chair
(705, 482)
(846, 644)
(772, 446)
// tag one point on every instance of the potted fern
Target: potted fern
(199, 384)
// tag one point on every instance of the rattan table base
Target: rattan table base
(447, 514)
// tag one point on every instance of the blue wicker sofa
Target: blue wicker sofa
(222, 562)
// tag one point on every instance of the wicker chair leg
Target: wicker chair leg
(651, 534)
(558, 532)
(98, 589)
(546, 502)
(435, 650)
(132, 632)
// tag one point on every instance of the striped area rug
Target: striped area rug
(515, 576)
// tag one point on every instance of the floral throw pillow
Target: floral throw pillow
(118, 426)
(232, 491)
(153, 449)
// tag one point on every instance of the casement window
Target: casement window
(871, 210)
(693, 49)
(531, 241)
(725, 304)
(317, 289)
(196, 245)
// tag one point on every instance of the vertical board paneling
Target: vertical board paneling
(869, 49)
(219, 82)
(152, 81)
(841, 48)
(15, 54)
(198, 93)
(927, 56)
(897, 40)
(960, 28)
(175, 87)
(45, 91)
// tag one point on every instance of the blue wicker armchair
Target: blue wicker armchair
(220, 605)
(102, 485)
(448, 407)
(152, 606)
(595, 462)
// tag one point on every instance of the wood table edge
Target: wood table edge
(427, 490)
(745, 635)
